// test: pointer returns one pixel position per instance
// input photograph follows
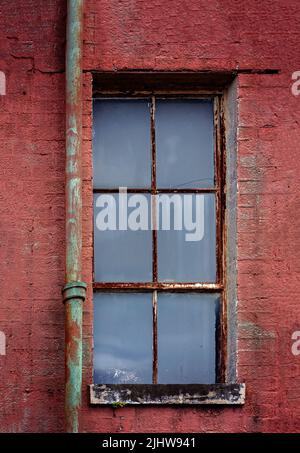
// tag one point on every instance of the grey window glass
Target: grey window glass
(122, 338)
(120, 255)
(186, 241)
(186, 338)
(184, 143)
(189, 256)
(121, 143)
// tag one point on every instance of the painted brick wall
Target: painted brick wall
(151, 35)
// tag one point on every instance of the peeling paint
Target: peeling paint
(255, 331)
(170, 394)
(74, 290)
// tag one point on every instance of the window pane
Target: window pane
(186, 338)
(122, 338)
(184, 143)
(189, 254)
(121, 143)
(120, 255)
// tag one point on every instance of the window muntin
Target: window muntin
(194, 272)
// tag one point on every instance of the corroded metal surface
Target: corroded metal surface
(154, 341)
(73, 362)
(73, 140)
(74, 291)
(159, 286)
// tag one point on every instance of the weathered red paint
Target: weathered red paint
(196, 36)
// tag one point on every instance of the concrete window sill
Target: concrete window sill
(170, 394)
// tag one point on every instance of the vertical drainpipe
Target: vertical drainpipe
(74, 290)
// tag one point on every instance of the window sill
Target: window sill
(171, 394)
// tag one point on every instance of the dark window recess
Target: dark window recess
(158, 297)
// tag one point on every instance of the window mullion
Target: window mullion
(153, 193)
(155, 345)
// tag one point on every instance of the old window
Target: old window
(158, 247)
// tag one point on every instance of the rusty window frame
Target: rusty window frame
(219, 190)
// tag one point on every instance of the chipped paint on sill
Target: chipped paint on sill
(167, 394)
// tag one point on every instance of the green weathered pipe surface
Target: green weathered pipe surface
(74, 290)
(73, 316)
(73, 140)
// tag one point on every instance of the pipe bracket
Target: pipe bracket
(74, 290)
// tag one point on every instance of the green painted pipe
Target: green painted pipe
(74, 289)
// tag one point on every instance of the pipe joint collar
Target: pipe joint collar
(74, 290)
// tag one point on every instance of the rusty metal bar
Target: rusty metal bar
(155, 352)
(189, 190)
(158, 190)
(153, 191)
(159, 286)
(223, 325)
(74, 291)
(218, 182)
(130, 93)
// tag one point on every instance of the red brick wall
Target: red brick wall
(152, 35)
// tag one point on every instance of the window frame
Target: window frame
(219, 189)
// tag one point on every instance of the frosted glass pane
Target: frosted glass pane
(189, 256)
(186, 338)
(122, 338)
(121, 143)
(184, 143)
(120, 255)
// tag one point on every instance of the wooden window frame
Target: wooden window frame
(222, 392)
